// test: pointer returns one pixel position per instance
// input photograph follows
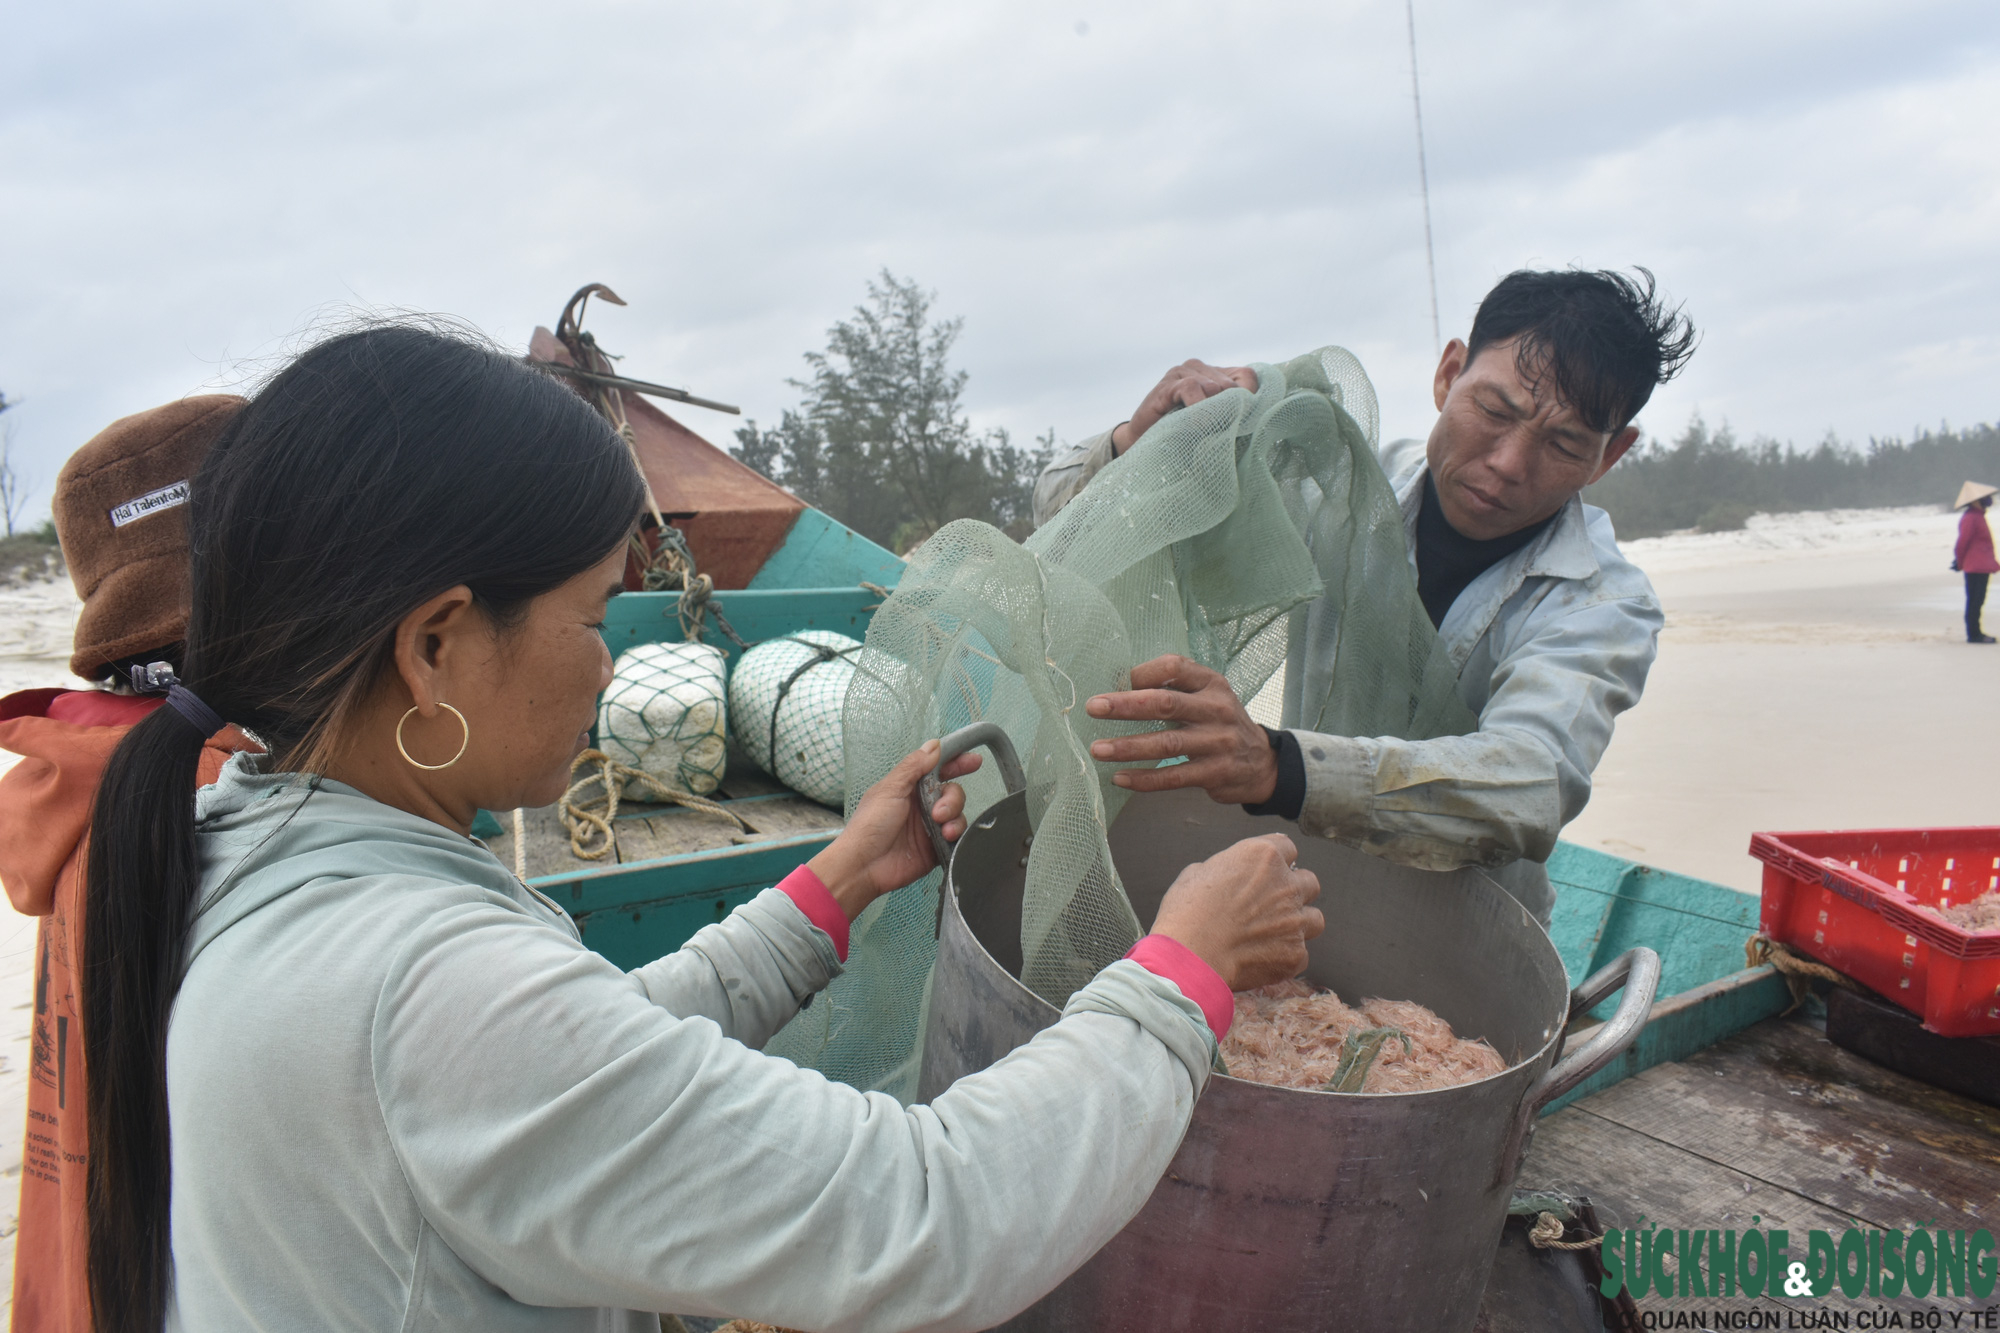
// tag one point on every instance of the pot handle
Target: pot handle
(995, 739)
(1637, 971)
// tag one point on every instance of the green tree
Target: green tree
(881, 440)
(1706, 479)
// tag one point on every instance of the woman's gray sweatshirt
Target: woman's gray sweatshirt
(405, 1096)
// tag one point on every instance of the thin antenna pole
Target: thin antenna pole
(1424, 178)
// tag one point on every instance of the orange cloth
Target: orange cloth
(45, 803)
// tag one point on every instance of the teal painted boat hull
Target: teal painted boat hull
(633, 914)
(755, 614)
(821, 553)
(1606, 905)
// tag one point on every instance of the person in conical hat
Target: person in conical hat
(1973, 556)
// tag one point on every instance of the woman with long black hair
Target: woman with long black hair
(347, 1072)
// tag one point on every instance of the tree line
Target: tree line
(1706, 479)
(881, 441)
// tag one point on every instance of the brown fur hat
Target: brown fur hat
(121, 516)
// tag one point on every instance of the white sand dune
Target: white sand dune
(37, 624)
(1779, 537)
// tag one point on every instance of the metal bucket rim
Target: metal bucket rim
(950, 889)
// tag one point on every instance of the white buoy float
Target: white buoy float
(785, 700)
(666, 714)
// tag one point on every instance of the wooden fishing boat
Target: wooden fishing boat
(1754, 1100)
(1732, 1110)
(729, 556)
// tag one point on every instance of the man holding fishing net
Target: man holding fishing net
(1550, 630)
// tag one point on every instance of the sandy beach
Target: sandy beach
(1813, 674)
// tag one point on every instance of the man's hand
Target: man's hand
(1227, 754)
(1184, 386)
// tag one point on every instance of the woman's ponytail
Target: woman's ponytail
(142, 877)
(379, 469)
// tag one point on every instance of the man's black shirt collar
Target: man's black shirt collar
(1447, 560)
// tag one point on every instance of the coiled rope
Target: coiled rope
(1548, 1232)
(589, 820)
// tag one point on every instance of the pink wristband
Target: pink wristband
(803, 887)
(1166, 957)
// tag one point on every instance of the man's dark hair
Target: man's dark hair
(1605, 338)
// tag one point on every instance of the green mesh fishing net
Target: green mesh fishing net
(1207, 538)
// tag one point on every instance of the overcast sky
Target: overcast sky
(1099, 190)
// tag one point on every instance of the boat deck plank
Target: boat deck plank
(1875, 1167)
(1776, 1124)
(647, 832)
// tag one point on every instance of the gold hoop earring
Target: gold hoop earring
(463, 724)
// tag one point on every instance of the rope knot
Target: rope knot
(589, 821)
(1795, 968)
(1548, 1231)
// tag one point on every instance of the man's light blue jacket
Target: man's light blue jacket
(1551, 645)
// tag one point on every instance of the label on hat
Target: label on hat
(152, 502)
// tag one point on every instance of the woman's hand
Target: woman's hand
(1246, 911)
(885, 844)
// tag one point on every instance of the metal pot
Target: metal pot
(1283, 1209)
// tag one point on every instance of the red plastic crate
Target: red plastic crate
(1855, 901)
